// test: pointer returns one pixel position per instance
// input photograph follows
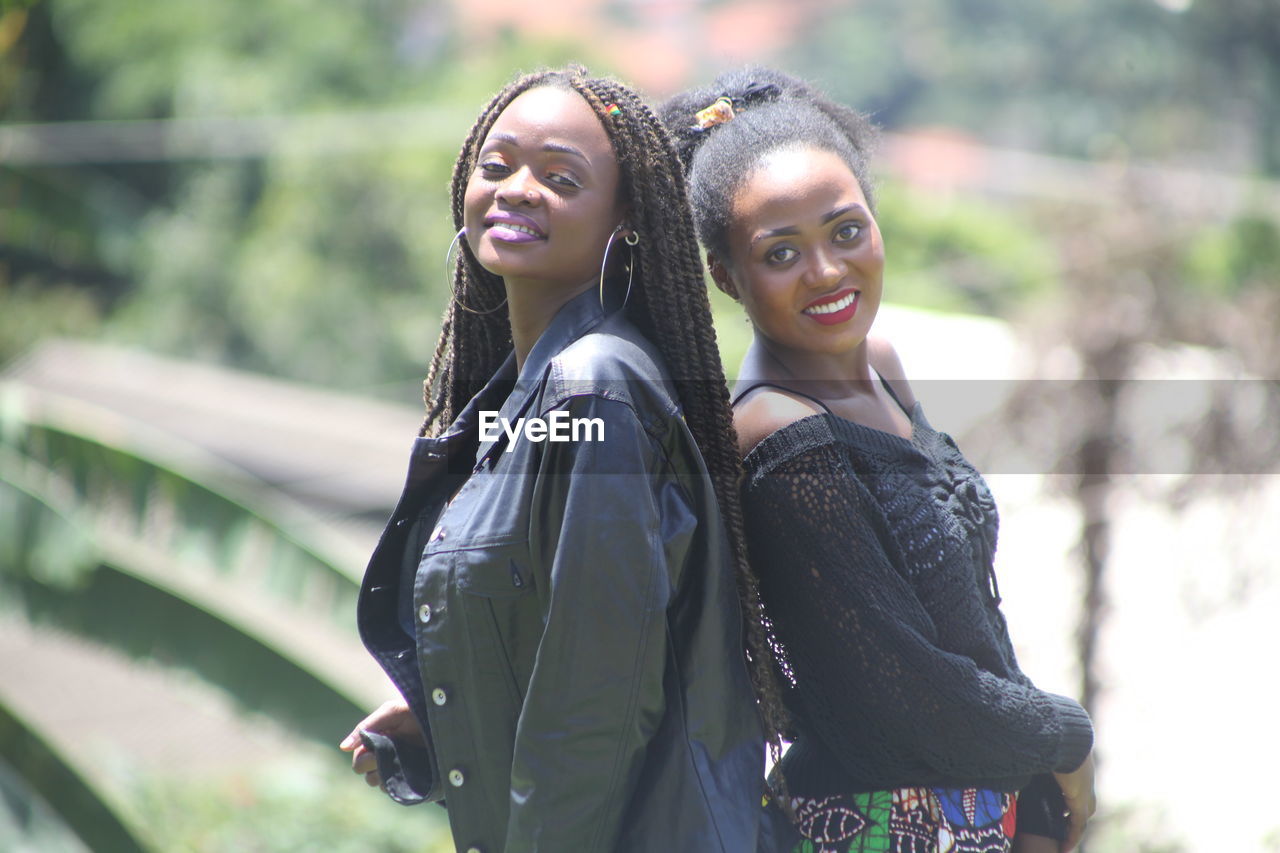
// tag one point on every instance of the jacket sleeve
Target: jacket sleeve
(864, 650)
(408, 770)
(609, 529)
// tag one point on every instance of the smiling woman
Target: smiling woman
(915, 730)
(563, 619)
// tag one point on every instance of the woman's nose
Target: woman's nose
(519, 188)
(822, 271)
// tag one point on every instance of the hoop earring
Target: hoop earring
(632, 240)
(452, 291)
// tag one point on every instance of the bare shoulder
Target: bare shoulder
(764, 411)
(884, 358)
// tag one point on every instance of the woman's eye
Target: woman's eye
(781, 255)
(494, 167)
(848, 231)
(563, 180)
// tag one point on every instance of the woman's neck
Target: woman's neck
(828, 376)
(531, 307)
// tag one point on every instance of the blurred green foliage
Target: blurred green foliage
(1157, 79)
(35, 776)
(169, 558)
(960, 254)
(317, 264)
(307, 803)
(326, 264)
(141, 557)
(1228, 259)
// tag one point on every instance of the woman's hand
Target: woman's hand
(392, 718)
(1077, 791)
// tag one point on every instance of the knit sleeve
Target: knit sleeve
(870, 678)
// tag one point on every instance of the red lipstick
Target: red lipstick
(835, 308)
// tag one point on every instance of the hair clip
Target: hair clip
(613, 110)
(759, 93)
(718, 113)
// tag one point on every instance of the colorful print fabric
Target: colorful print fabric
(907, 820)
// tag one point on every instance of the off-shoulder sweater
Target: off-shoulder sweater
(875, 557)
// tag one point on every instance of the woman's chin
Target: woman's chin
(505, 263)
(497, 265)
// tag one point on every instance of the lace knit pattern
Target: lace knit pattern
(875, 557)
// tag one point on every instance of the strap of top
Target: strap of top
(808, 397)
(814, 399)
(893, 394)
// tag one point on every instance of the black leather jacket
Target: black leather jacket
(565, 626)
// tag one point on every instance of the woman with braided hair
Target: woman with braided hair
(562, 608)
(872, 536)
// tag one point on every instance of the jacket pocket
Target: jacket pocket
(501, 578)
(503, 614)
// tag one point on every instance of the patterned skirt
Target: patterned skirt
(907, 820)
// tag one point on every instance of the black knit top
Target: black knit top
(875, 560)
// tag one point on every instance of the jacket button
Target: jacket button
(424, 614)
(439, 696)
(456, 778)
(438, 533)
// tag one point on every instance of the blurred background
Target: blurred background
(222, 239)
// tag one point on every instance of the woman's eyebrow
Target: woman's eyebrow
(555, 147)
(789, 230)
(842, 210)
(565, 148)
(784, 231)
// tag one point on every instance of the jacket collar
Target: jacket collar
(466, 424)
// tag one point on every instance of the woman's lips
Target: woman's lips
(513, 228)
(837, 308)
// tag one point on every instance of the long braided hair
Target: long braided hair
(668, 303)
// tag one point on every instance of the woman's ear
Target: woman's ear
(720, 275)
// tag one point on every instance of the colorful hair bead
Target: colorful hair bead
(613, 110)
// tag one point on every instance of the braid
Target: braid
(668, 303)
(672, 309)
